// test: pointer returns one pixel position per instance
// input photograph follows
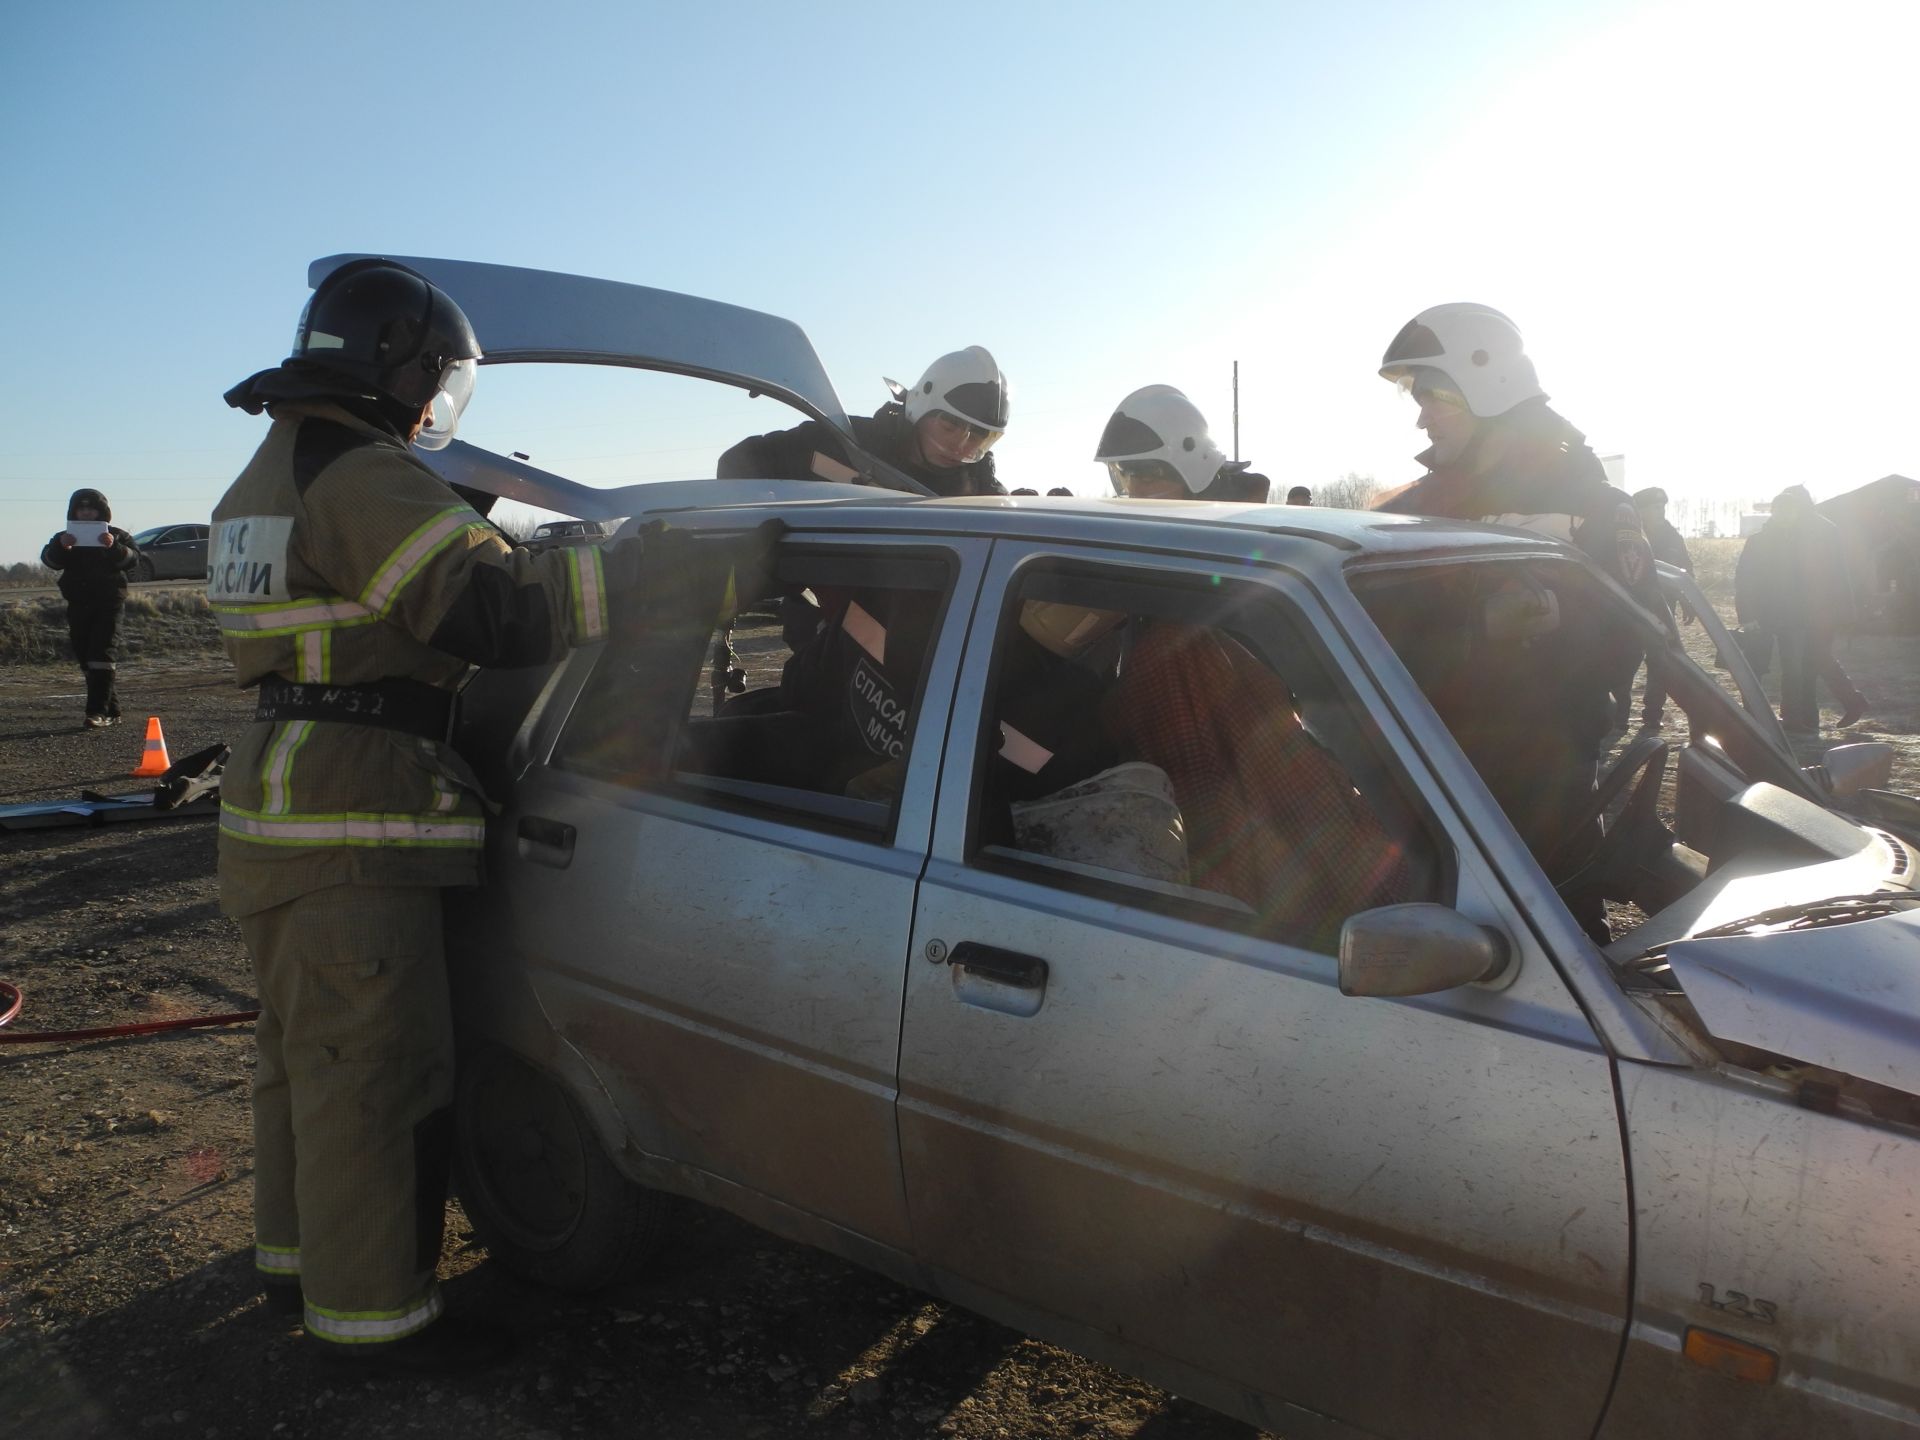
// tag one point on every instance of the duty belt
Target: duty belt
(409, 706)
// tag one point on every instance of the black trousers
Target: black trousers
(1806, 659)
(94, 628)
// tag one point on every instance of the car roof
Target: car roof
(1198, 526)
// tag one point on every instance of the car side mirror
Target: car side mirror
(1418, 949)
(1847, 770)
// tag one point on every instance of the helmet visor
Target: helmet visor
(1147, 480)
(448, 405)
(948, 439)
(1424, 383)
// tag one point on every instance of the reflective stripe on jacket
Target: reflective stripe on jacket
(338, 558)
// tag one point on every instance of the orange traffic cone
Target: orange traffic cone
(153, 760)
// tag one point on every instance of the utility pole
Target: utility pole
(1236, 410)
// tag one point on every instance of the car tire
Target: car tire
(536, 1183)
(143, 569)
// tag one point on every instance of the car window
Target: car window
(1187, 748)
(1529, 665)
(804, 705)
(1516, 657)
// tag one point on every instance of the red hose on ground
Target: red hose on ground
(10, 998)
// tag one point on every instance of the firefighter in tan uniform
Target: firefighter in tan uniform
(353, 587)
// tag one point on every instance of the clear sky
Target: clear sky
(1702, 215)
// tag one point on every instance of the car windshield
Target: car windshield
(147, 537)
(1651, 818)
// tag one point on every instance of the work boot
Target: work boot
(449, 1346)
(283, 1300)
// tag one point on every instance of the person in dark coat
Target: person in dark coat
(1792, 585)
(939, 432)
(1668, 545)
(93, 557)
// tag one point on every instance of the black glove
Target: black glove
(752, 555)
(666, 576)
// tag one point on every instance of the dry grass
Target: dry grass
(162, 622)
(1713, 563)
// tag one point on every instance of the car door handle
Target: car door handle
(1009, 967)
(1000, 980)
(545, 842)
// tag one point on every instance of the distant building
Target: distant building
(1706, 516)
(1880, 524)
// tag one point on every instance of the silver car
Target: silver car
(1192, 934)
(171, 552)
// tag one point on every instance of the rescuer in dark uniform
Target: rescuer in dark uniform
(1499, 454)
(939, 432)
(1156, 446)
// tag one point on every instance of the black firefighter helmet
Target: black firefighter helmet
(371, 327)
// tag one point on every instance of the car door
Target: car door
(193, 554)
(719, 930)
(1137, 1114)
(178, 552)
(162, 552)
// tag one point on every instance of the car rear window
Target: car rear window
(803, 706)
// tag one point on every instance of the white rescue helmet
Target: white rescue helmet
(1475, 347)
(1158, 424)
(966, 384)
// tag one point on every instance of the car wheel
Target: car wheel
(538, 1187)
(143, 569)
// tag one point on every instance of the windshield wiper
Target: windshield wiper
(1642, 973)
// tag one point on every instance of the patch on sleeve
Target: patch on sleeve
(247, 559)
(828, 468)
(1023, 750)
(1636, 555)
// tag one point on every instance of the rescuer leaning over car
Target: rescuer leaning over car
(939, 433)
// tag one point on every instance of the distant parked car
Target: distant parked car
(172, 552)
(569, 532)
